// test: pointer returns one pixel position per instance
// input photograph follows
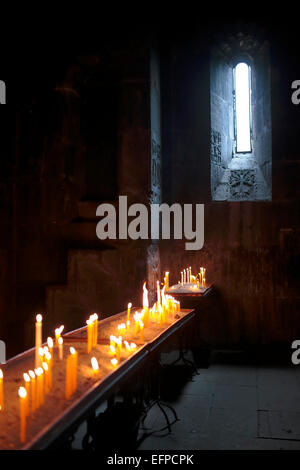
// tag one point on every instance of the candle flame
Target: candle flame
(45, 366)
(32, 374)
(59, 330)
(113, 338)
(133, 345)
(129, 305)
(112, 348)
(95, 364)
(39, 318)
(60, 340)
(145, 296)
(1, 374)
(22, 392)
(163, 297)
(41, 351)
(26, 377)
(114, 361)
(50, 342)
(72, 350)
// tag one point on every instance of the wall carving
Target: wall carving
(215, 146)
(242, 185)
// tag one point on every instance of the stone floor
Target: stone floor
(233, 404)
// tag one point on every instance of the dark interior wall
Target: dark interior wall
(80, 135)
(262, 128)
(251, 249)
(50, 258)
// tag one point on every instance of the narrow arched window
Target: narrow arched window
(242, 108)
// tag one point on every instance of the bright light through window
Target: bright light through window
(242, 107)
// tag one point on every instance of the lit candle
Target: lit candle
(158, 294)
(95, 365)
(74, 355)
(27, 388)
(112, 340)
(118, 348)
(136, 323)
(181, 278)
(1, 392)
(33, 390)
(68, 377)
(41, 354)
(95, 316)
(50, 344)
(160, 315)
(60, 348)
(38, 338)
(40, 386)
(23, 404)
(114, 362)
(89, 323)
(71, 373)
(48, 358)
(58, 333)
(184, 276)
(201, 275)
(145, 304)
(167, 281)
(46, 371)
(128, 310)
(141, 331)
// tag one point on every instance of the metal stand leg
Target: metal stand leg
(186, 361)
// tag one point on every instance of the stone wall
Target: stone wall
(249, 258)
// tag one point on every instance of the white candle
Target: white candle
(38, 339)
(60, 348)
(23, 404)
(158, 293)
